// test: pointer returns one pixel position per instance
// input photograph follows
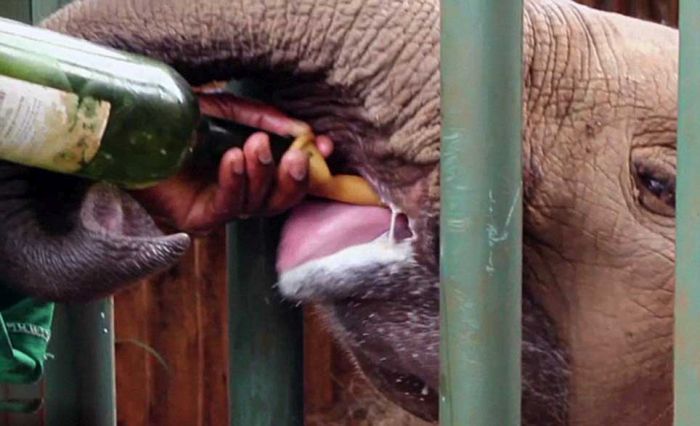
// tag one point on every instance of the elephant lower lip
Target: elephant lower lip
(317, 229)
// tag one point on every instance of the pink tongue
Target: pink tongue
(319, 228)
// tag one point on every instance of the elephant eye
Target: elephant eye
(657, 191)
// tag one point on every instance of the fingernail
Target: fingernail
(238, 166)
(298, 128)
(265, 156)
(298, 172)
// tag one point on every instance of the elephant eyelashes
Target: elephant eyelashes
(657, 191)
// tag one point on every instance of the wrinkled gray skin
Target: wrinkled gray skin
(599, 155)
(64, 240)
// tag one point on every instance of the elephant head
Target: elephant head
(599, 110)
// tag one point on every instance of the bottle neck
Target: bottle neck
(215, 136)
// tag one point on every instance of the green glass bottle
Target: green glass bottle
(72, 106)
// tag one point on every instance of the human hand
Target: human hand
(248, 182)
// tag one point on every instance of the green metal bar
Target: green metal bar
(61, 384)
(40, 9)
(481, 218)
(266, 361)
(266, 334)
(687, 296)
(80, 377)
(83, 343)
(20, 10)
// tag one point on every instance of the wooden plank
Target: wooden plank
(210, 255)
(133, 358)
(673, 12)
(25, 393)
(182, 316)
(174, 325)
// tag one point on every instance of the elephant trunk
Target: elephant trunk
(64, 240)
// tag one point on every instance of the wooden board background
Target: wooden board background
(180, 315)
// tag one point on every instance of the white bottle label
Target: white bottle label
(48, 128)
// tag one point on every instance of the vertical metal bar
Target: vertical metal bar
(481, 219)
(80, 376)
(266, 360)
(93, 336)
(19, 10)
(61, 389)
(687, 296)
(40, 9)
(266, 334)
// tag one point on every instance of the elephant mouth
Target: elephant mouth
(319, 229)
(316, 228)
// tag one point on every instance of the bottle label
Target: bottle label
(49, 128)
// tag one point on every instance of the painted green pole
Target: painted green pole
(43, 8)
(266, 360)
(266, 385)
(19, 10)
(481, 218)
(79, 378)
(687, 296)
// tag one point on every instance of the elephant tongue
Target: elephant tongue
(316, 229)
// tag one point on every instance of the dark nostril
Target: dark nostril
(402, 230)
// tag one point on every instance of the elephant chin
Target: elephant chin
(65, 239)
